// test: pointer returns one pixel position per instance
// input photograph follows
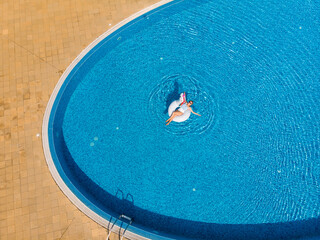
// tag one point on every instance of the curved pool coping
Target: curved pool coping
(132, 232)
(284, 230)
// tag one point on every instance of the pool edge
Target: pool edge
(45, 128)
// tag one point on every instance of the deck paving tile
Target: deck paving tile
(38, 41)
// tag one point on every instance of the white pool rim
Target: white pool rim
(45, 128)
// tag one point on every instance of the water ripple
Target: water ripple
(169, 90)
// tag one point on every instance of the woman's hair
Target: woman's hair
(191, 102)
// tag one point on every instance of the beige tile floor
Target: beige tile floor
(38, 40)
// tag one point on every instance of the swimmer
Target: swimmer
(184, 107)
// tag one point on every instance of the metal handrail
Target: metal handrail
(111, 227)
(119, 218)
(130, 221)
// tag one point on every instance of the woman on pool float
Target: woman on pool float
(184, 106)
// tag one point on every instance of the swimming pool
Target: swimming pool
(248, 168)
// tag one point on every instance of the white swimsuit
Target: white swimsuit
(183, 108)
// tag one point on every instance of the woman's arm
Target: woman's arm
(194, 112)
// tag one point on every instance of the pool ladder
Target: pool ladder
(121, 217)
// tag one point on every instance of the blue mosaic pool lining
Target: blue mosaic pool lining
(68, 168)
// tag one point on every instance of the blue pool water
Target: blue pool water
(249, 164)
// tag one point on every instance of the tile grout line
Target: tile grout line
(66, 229)
(103, 221)
(32, 53)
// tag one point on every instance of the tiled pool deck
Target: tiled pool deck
(39, 39)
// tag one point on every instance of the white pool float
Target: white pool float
(174, 105)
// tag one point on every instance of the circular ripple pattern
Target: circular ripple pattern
(252, 71)
(169, 90)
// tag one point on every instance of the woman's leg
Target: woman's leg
(174, 114)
